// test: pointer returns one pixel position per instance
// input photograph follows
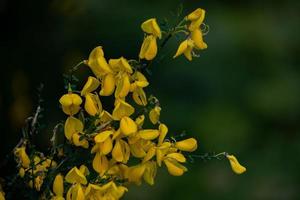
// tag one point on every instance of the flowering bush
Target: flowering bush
(107, 147)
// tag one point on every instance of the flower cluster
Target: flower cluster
(107, 147)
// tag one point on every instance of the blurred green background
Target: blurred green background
(241, 96)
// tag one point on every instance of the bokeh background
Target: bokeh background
(241, 96)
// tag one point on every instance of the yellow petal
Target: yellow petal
(105, 117)
(174, 168)
(140, 121)
(196, 15)
(150, 154)
(101, 137)
(106, 146)
(128, 126)
(58, 185)
(91, 85)
(100, 164)
(187, 145)
(140, 79)
(21, 172)
(150, 26)
(120, 64)
(139, 96)
(75, 176)
(122, 109)
(108, 85)
(163, 130)
(196, 36)
(154, 114)
(150, 172)
(177, 156)
(92, 104)
(77, 192)
(137, 150)
(118, 153)
(70, 103)
(122, 86)
(72, 126)
(84, 170)
(135, 174)
(79, 142)
(23, 157)
(235, 165)
(182, 48)
(148, 134)
(66, 100)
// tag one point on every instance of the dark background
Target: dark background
(242, 95)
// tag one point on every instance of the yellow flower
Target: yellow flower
(91, 85)
(100, 163)
(139, 96)
(150, 26)
(196, 18)
(154, 114)
(121, 151)
(122, 85)
(108, 191)
(196, 36)
(135, 174)
(72, 126)
(22, 156)
(139, 80)
(97, 62)
(186, 48)
(128, 126)
(92, 104)
(150, 172)
(75, 192)
(149, 48)
(75, 176)
(122, 109)
(235, 165)
(172, 162)
(58, 185)
(187, 145)
(163, 130)
(70, 103)
(103, 143)
(108, 85)
(79, 142)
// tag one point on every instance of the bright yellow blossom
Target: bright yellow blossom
(149, 48)
(154, 114)
(186, 48)
(22, 156)
(58, 186)
(70, 103)
(189, 145)
(235, 165)
(91, 85)
(150, 26)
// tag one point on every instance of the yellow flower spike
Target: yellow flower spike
(150, 26)
(91, 85)
(70, 103)
(174, 168)
(128, 126)
(189, 145)
(58, 185)
(108, 85)
(197, 37)
(148, 134)
(72, 126)
(135, 174)
(97, 62)
(235, 165)
(75, 176)
(154, 114)
(163, 130)
(177, 156)
(139, 96)
(140, 121)
(122, 109)
(92, 104)
(150, 172)
(150, 154)
(120, 64)
(122, 86)
(84, 170)
(100, 164)
(101, 137)
(23, 157)
(149, 48)
(186, 48)
(79, 142)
